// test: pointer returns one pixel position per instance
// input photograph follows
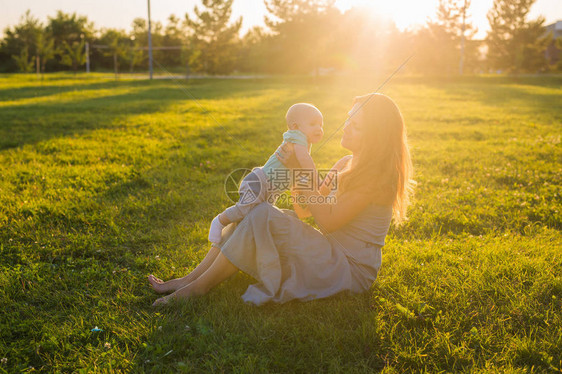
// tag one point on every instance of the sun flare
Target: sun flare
(404, 13)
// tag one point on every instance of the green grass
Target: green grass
(103, 182)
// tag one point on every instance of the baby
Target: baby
(305, 128)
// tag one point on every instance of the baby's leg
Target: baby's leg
(253, 191)
(224, 220)
(217, 224)
(251, 194)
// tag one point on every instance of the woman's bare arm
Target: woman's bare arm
(339, 166)
(299, 210)
(330, 217)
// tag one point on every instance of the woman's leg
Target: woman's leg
(175, 284)
(220, 270)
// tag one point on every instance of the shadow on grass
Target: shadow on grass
(510, 92)
(117, 228)
(220, 333)
(224, 334)
(48, 88)
(551, 81)
(32, 123)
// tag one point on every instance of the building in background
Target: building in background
(553, 52)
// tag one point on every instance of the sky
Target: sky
(120, 13)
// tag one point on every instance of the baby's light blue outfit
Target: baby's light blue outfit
(289, 136)
(260, 185)
(292, 260)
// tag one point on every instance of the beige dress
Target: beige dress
(292, 260)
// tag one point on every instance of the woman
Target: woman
(292, 260)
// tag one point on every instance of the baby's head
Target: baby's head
(306, 118)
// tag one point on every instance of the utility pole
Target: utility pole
(462, 38)
(149, 43)
(87, 57)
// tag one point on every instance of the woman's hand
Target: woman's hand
(326, 186)
(342, 163)
(286, 155)
(302, 212)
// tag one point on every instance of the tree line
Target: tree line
(301, 36)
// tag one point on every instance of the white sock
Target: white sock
(215, 232)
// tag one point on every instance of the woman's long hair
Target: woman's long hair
(383, 168)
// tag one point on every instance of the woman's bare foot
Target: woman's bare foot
(162, 301)
(160, 286)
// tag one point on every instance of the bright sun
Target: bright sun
(405, 13)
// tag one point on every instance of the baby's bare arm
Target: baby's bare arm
(303, 157)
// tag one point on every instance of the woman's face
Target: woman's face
(352, 130)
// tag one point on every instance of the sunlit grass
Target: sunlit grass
(103, 182)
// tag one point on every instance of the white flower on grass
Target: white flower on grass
(107, 345)
(4, 360)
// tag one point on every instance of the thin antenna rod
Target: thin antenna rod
(366, 101)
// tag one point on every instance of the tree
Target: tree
(117, 43)
(134, 54)
(32, 42)
(254, 50)
(20, 41)
(515, 44)
(45, 47)
(139, 35)
(305, 33)
(69, 31)
(440, 45)
(25, 65)
(214, 41)
(173, 37)
(291, 10)
(558, 45)
(73, 55)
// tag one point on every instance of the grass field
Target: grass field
(103, 182)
